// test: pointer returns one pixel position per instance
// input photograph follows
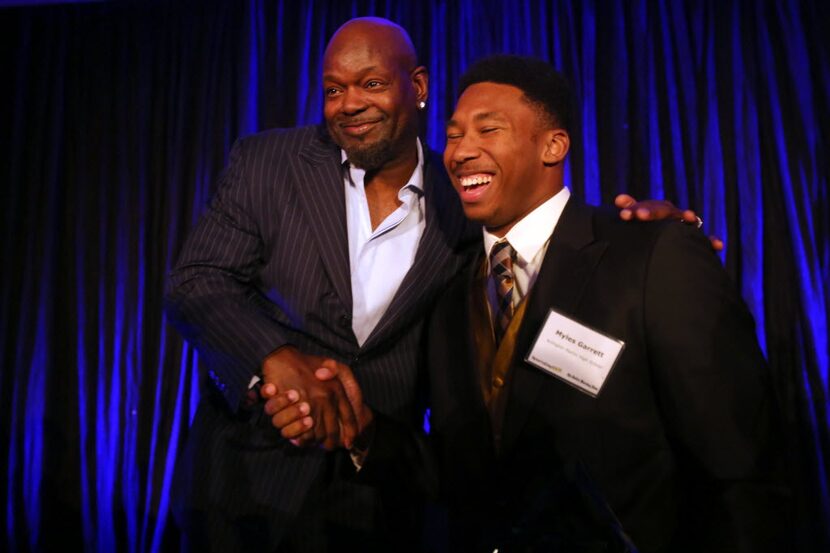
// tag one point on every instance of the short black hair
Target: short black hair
(545, 88)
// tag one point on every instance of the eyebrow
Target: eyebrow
(479, 117)
(363, 73)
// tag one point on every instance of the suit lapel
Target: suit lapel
(440, 253)
(323, 198)
(571, 258)
(466, 379)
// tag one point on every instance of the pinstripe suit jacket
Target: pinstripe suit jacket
(268, 265)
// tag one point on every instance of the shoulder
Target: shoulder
(290, 140)
(648, 235)
(630, 245)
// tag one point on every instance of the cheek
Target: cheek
(447, 158)
(329, 111)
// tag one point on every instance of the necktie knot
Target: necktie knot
(501, 265)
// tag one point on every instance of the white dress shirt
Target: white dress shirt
(530, 238)
(381, 258)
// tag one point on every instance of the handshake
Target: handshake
(313, 401)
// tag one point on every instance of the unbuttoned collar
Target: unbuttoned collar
(416, 180)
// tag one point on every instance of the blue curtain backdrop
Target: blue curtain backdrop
(117, 116)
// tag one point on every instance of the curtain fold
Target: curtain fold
(118, 116)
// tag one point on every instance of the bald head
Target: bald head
(374, 33)
(373, 88)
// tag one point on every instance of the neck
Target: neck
(396, 172)
(382, 186)
(503, 229)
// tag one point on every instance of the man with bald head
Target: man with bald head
(324, 246)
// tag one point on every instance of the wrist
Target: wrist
(365, 422)
(363, 442)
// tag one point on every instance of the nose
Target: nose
(462, 149)
(353, 101)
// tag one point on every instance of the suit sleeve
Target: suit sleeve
(715, 392)
(211, 295)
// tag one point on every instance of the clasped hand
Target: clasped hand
(313, 400)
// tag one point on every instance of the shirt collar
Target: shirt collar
(416, 180)
(532, 232)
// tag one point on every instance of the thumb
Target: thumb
(332, 369)
(624, 200)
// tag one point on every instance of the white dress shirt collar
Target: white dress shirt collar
(530, 234)
(529, 237)
(416, 180)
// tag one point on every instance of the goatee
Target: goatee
(371, 156)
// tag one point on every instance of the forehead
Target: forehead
(490, 101)
(357, 56)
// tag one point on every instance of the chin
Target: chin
(475, 216)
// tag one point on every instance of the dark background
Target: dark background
(115, 117)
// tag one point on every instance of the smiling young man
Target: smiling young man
(593, 383)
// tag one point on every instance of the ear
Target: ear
(420, 82)
(557, 143)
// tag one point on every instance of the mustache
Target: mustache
(461, 170)
(354, 120)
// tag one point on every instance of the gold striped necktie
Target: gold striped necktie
(501, 265)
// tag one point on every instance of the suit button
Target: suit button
(498, 382)
(345, 321)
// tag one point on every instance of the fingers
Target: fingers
(327, 427)
(347, 410)
(689, 216)
(280, 402)
(305, 440)
(651, 210)
(288, 416)
(295, 431)
(318, 407)
(624, 201)
(347, 422)
(267, 390)
(325, 373)
(654, 210)
(331, 369)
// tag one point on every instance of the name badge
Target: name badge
(574, 353)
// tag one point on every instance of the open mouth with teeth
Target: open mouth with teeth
(471, 182)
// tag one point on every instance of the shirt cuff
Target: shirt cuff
(360, 448)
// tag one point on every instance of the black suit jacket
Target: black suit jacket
(679, 446)
(266, 266)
